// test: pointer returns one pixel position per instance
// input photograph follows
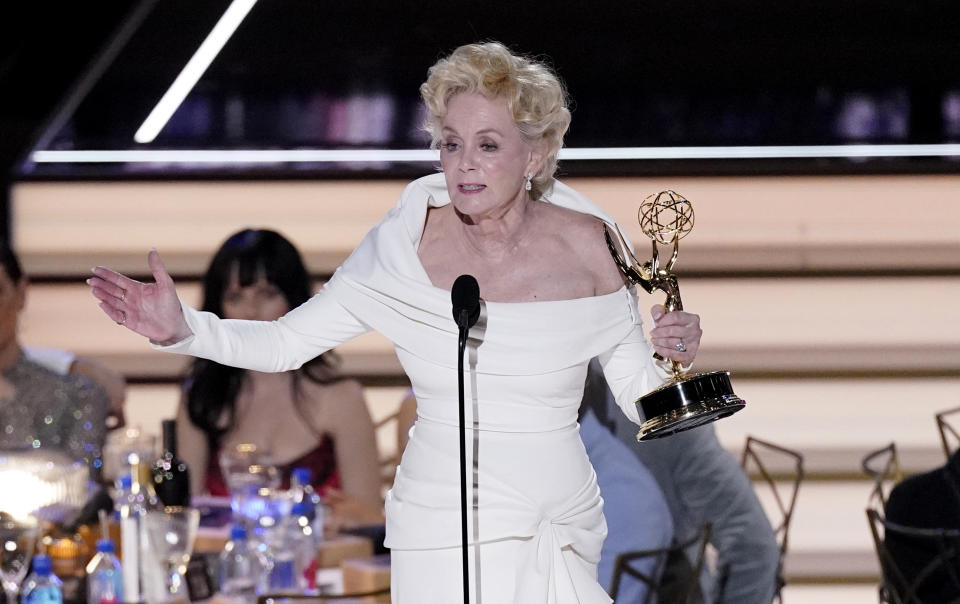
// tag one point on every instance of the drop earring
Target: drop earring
(528, 185)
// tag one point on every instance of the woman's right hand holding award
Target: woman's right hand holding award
(149, 309)
(684, 401)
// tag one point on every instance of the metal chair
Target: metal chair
(918, 566)
(883, 465)
(949, 436)
(783, 485)
(653, 579)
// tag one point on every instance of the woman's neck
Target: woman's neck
(495, 236)
(9, 353)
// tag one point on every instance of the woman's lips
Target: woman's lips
(469, 188)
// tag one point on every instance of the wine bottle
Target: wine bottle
(171, 478)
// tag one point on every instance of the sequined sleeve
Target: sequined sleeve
(85, 414)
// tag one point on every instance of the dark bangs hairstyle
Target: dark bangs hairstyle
(211, 388)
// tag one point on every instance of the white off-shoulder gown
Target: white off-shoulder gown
(535, 524)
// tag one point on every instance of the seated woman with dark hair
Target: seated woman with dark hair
(40, 409)
(305, 418)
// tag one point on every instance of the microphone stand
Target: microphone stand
(463, 322)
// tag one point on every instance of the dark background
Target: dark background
(639, 73)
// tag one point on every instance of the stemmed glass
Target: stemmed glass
(171, 534)
(250, 476)
(17, 540)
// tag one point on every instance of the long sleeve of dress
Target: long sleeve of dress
(631, 371)
(314, 327)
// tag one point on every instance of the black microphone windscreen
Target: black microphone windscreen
(465, 295)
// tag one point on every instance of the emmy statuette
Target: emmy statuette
(685, 401)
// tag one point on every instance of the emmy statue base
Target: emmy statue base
(685, 402)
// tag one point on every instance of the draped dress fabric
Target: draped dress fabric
(535, 501)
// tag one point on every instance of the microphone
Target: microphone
(465, 296)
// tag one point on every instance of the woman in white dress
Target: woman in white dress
(552, 298)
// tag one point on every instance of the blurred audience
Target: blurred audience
(305, 418)
(64, 362)
(703, 483)
(40, 408)
(928, 501)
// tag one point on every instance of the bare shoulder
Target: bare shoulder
(337, 393)
(335, 399)
(348, 391)
(335, 407)
(583, 235)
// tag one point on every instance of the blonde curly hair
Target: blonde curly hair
(535, 97)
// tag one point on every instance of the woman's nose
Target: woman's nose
(466, 160)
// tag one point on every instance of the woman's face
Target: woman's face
(484, 157)
(259, 301)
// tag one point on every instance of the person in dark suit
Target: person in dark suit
(928, 501)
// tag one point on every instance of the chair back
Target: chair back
(949, 435)
(918, 565)
(883, 466)
(626, 562)
(780, 471)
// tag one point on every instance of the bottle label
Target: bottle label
(44, 594)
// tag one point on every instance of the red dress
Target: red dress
(321, 461)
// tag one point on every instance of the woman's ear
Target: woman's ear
(538, 155)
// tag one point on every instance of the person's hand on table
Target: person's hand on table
(348, 512)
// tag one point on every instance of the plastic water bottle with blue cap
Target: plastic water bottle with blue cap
(104, 575)
(42, 586)
(240, 567)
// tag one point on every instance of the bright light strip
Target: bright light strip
(238, 156)
(193, 70)
(275, 156)
(764, 152)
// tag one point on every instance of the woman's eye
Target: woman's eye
(450, 146)
(488, 147)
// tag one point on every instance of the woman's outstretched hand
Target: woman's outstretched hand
(675, 335)
(149, 309)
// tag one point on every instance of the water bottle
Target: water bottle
(42, 586)
(290, 548)
(280, 561)
(304, 542)
(302, 491)
(240, 567)
(300, 487)
(104, 575)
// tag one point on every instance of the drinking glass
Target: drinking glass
(171, 534)
(17, 540)
(250, 476)
(120, 445)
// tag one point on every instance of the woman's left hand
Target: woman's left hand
(675, 335)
